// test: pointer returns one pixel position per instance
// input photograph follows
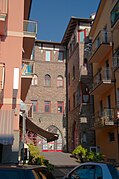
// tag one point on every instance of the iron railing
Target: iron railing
(104, 37)
(104, 75)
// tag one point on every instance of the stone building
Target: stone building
(79, 102)
(47, 92)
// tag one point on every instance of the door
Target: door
(54, 146)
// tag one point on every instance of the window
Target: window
(60, 106)
(60, 82)
(47, 105)
(60, 56)
(47, 80)
(87, 172)
(34, 80)
(34, 105)
(111, 136)
(82, 35)
(48, 56)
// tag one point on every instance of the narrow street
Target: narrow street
(63, 162)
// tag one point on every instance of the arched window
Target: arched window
(60, 81)
(34, 80)
(47, 80)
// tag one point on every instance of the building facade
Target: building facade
(79, 102)
(15, 32)
(105, 88)
(47, 93)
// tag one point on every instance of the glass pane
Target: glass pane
(84, 172)
(47, 55)
(82, 36)
(60, 56)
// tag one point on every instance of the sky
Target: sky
(53, 16)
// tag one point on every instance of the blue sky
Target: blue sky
(53, 15)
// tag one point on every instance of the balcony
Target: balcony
(101, 46)
(30, 32)
(3, 15)
(30, 28)
(26, 77)
(104, 118)
(102, 81)
(115, 61)
(115, 16)
(27, 68)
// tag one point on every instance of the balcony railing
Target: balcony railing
(27, 68)
(105, 117)
(104, 37)
(30, 28)
(115, 14)
(105, 75)
(115, 62)
(3, 8)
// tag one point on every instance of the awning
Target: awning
(41, 132)
(6, 127)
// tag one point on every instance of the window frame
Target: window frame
(49, 105)
(60, 81)
(47, 55)
(48, 80)
(60, 105)
(61, 60)
(34, 105)
(79, 38)
(34, 81)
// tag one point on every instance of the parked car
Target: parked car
(93, 170)
(25, 172)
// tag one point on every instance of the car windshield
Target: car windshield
(114, 172)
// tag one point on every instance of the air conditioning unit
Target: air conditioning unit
(94, 149)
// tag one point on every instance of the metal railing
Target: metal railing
(103, 75)
(114, 14)
(105, 117)
(3, 7)
(30, 28)
(104, 37)
(115, 60)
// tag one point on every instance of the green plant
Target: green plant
(36, 159)
(80, 153)
(84, 155)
